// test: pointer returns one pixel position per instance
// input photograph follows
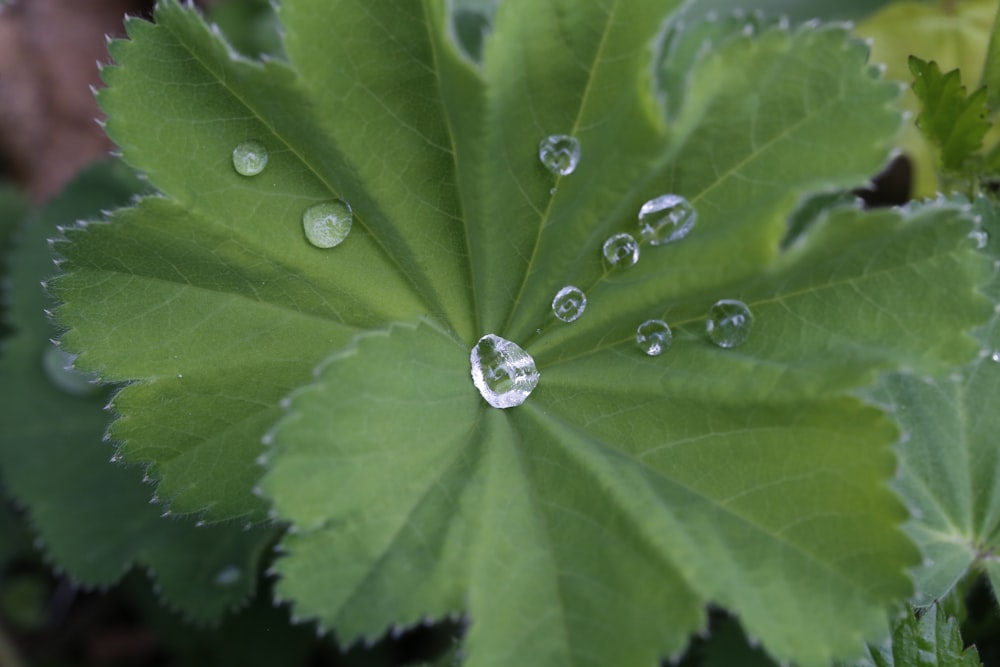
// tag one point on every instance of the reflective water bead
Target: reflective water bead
(654, 337)
(569, 303)
(995, 356)
(979, 238)
(328, 224)
(560, 153)
(621, 250)
(729, 323)
(250, 158)
(666, 219)
(502, 371)
(58, 365)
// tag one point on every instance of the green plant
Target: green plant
(326, 392)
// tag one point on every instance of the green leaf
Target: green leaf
(949, 118)
(94, 519)
(953, 34)
(949, 458)
(991, 68)
(592, 524)
(930, 639)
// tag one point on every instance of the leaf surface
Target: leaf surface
(951, 119)
(592, 524)
(94, 519)
(949, 460)
(931, 639)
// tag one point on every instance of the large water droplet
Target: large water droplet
(666, 219)
(560, 153)
(58, 365)
(502, 371)
(729, 323)
(569, 303)
(654, 337)
(250, 158)
(328, 224)
(621, 250)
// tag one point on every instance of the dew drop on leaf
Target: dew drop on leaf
(996, 356)
(250, 158)
(569, 303)
(654, 337)
(502, 371)
(729, 323)
(327, 224)
(621, 250)
(227, 576)
(666, 219)
(58, 365)
(979, 238)
(560, 153)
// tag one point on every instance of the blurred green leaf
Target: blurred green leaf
(94, 519)
(954, 121)
(929, 639)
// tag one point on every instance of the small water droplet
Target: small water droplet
(729, 323)
(227, 576)
(621, 250)
(560, 153)
(58, 365)
(979, 238)
(328, 224)
(250, 158)
(502, 371)
(654, 337)
(666, 219)
(995, 357)
(569, 303)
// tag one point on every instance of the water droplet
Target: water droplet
(666, 219)
(621, 250)
(569, 303)
(227, 576)
(502, 371)
(328, 224)
(560, 153)
(654, 337)
(250, 158)
(729, 323)
(58, 365)
(995, 357)
(979, 238)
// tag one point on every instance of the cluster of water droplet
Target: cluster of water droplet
(326, 224)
